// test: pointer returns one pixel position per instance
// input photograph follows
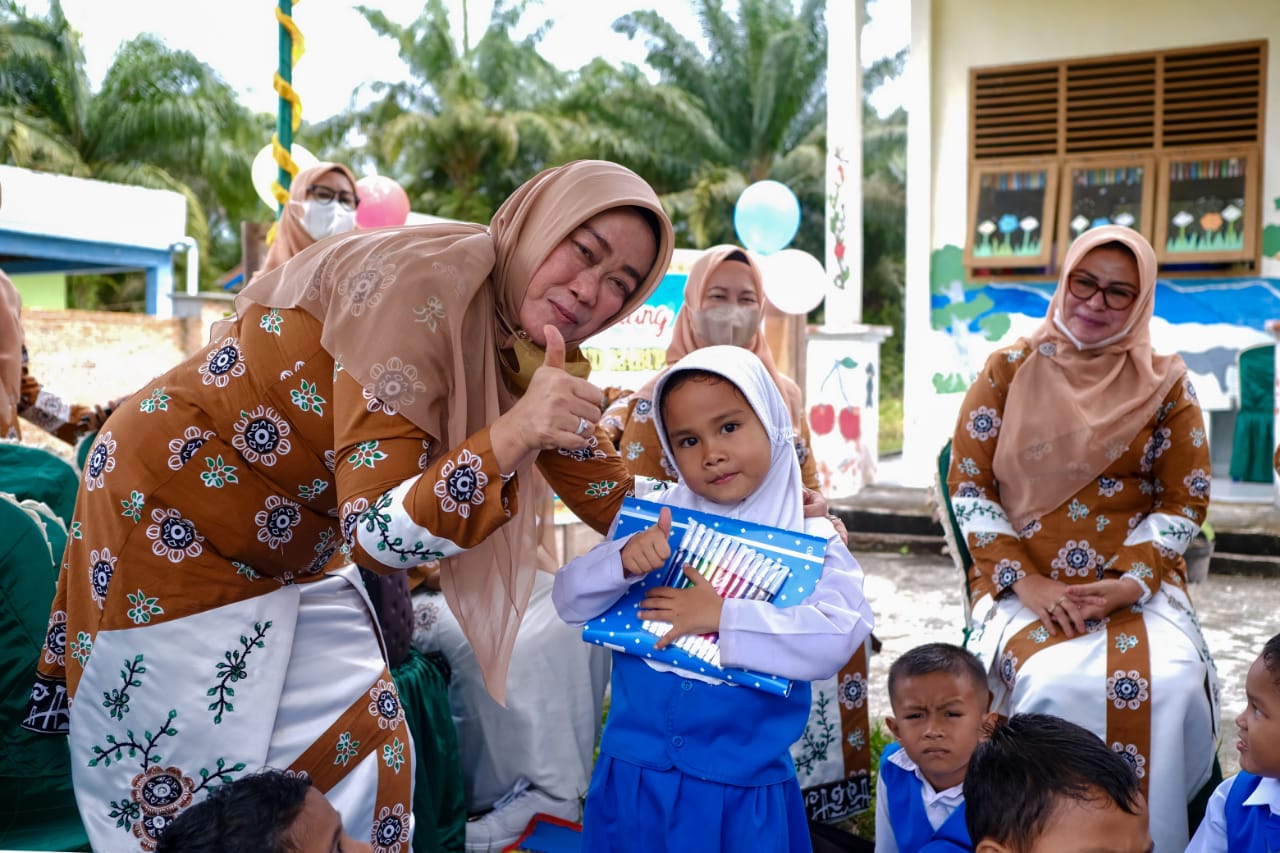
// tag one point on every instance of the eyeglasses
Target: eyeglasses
(1115, 297)
(326, 195)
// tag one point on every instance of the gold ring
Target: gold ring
(1054, 607)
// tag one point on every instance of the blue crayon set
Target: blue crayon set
(741, 559)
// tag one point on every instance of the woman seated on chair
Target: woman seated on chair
(1079, 475)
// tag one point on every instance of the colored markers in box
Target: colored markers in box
(740, 559)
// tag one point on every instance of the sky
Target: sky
(238, 38)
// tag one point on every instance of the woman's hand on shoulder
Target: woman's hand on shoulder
(1053, 603)
(558, 410)
(1102, 598)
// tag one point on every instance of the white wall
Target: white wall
(951, 36)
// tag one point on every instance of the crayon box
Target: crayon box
(740, 558)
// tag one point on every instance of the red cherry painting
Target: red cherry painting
(822, 418)
(850, 423)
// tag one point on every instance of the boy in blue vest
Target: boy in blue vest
(1041, 784)
(1244, 811)
(940, 698)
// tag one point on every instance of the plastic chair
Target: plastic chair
(951, 532)
(1254, 440)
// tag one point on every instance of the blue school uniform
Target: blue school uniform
(912, 830)
(688, 765)
(1249, 827)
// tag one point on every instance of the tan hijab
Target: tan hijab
(11, 341)
(431, 296)
(685, 339)
(291, 235)
(1073, 409)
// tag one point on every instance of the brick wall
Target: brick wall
(93, 357)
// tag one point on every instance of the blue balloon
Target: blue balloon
(766, 217)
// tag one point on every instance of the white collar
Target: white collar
(952, 796)
(1266, 794)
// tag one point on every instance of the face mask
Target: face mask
(325, 220)
(734, 325)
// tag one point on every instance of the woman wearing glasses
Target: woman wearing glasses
(322, 202)
(1080, 474)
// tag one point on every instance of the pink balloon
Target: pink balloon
(382, 202)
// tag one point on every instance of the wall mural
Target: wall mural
(1207, 320)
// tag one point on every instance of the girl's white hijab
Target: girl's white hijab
(779, 500)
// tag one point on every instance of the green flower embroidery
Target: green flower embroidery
(1077, 510)
(307, 399)
(157, 402)
(968, 467)
(600, 489)
(133, 506)
(242, 569)
(1101, 522)
(1124, 642)
(317, 486)
(1197, 437)
(347, 749)
(393, 754)
(366, 454)
(219, 474)
(82, 647)
(272, 321)
(75, 530)
(143, 607)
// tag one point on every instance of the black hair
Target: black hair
(693, 374)
(938, 657)
(1118, 245)
(252, 814)
(1020, 774)
(1271, 658)
(739, 256)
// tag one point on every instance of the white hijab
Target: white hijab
(779, 500)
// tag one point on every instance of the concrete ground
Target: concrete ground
(917, 599)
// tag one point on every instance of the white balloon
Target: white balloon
(265, 169)
(794, 280)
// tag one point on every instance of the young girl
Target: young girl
(686, 763)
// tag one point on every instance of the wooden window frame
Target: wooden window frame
(1149, 107)
(1066, 195)
(1046, 227)
(1249, 216)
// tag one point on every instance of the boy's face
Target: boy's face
(940, 719)
(1095, 825)
(318, 829)
(1259, 742)
(720, 446)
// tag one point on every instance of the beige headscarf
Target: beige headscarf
(430, 296)
(685, 339)
(11, 341)
(291, 235)
(1072, 409)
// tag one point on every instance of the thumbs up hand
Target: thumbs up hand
(557, 410)
(648, 549)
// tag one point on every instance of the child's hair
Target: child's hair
(1018, 776)
(255, 812)
(937, 657)
(1271, 658)
(692, 374)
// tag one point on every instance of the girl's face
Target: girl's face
(584, 282)
(720, 446)
(1103, 278)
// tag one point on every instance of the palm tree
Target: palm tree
(162, 120)
(753, 107)
(472, 123)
